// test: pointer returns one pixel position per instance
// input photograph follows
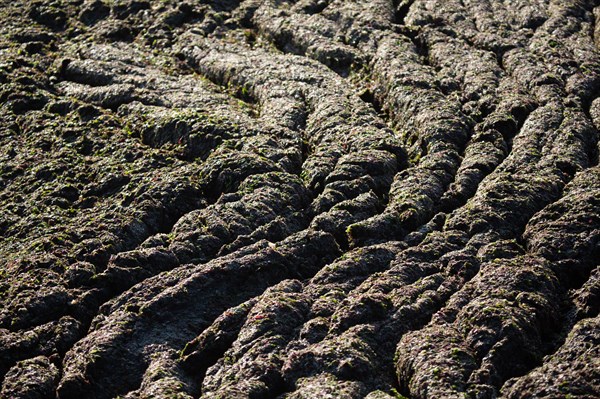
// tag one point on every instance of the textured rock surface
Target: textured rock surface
(299, 199)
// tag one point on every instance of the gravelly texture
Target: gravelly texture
(299, 199)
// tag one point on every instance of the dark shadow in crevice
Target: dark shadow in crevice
(401, 8)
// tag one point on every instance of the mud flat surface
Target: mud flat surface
(299, 199)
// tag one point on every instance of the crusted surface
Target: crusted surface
(299, 199)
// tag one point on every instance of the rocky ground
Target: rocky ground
(299, 199)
